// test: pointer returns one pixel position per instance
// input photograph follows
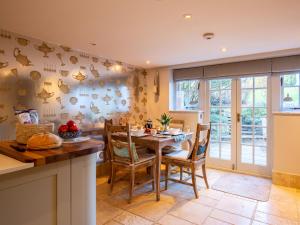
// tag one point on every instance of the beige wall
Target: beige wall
(286, 144)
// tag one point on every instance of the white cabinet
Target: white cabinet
(62, 193)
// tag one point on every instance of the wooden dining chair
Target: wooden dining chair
(179, 124)
(191, 160)
(128, 157)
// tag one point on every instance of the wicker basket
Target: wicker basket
(25, 131)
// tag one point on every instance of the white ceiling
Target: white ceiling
(134, 31)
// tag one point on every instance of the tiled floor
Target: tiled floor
(178, 206)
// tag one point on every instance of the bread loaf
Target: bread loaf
(42, 141)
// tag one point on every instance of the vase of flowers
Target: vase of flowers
(165, 121)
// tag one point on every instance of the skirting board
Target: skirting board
(286, 179)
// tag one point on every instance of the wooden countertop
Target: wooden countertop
(43, 157)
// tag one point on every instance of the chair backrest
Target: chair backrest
(175, 123)
(113, 143)
(106, 122)
(200, 147)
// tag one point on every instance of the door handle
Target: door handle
(238, 117)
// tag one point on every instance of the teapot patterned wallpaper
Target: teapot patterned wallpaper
(62, 84)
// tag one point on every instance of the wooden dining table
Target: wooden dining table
(156, 144)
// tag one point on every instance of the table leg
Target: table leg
(158, 164)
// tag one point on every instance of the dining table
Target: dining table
(156, 143)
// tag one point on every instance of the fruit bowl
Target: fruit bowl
(69, 134)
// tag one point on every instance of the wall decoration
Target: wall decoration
(22, 41)
(123, 102)
(136, 109)
(5, 34)
(118, 93)
(141, 116)
(44, 48)
(136, 84)
(3, 118)
(94, 96)
(64, 116)
(59, 56)
(80, 77)
(66, 48)
(84, 55)
(33, 88)
(46, 83)
(3, 64)
(44, 95)
(80, 116)
(64, 73)
(106, 99)
(94, 108)
(22, 59)
(95, 59)
(50, 68)
(101, 119)
(101, 83)
(94, 71)
(58, 99)
(63, 87)
(144, 101)
(35, 75)
(107, 64)
(73, 100)
(73, 59)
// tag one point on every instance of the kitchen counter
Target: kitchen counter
(43, 157)
(54, 186)
(9, 165)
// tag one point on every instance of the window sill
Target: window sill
(287, 113)
(186, 111)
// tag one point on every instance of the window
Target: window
(290, 91)
(187, 94)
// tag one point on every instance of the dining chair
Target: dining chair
(179, 124)
(191, 160)
(128, 157)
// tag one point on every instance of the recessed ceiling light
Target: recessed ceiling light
(187, 16)
(224, 49)
(148, 62)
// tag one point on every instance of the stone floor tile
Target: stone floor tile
(230, 218)
(193, 212)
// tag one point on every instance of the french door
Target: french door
(238, 110)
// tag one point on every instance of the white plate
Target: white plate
(76, 140)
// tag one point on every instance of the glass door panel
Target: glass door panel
(220, 116)
(252, 126)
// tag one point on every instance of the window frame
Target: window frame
(198, 108)
(282, 108)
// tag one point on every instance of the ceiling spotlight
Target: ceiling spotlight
(208, 36)
(224, 49)
(148, 62)
(187, 16)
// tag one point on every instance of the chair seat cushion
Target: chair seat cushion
(181, 155)
(121, 150)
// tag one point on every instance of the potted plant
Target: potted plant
(165, 121)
